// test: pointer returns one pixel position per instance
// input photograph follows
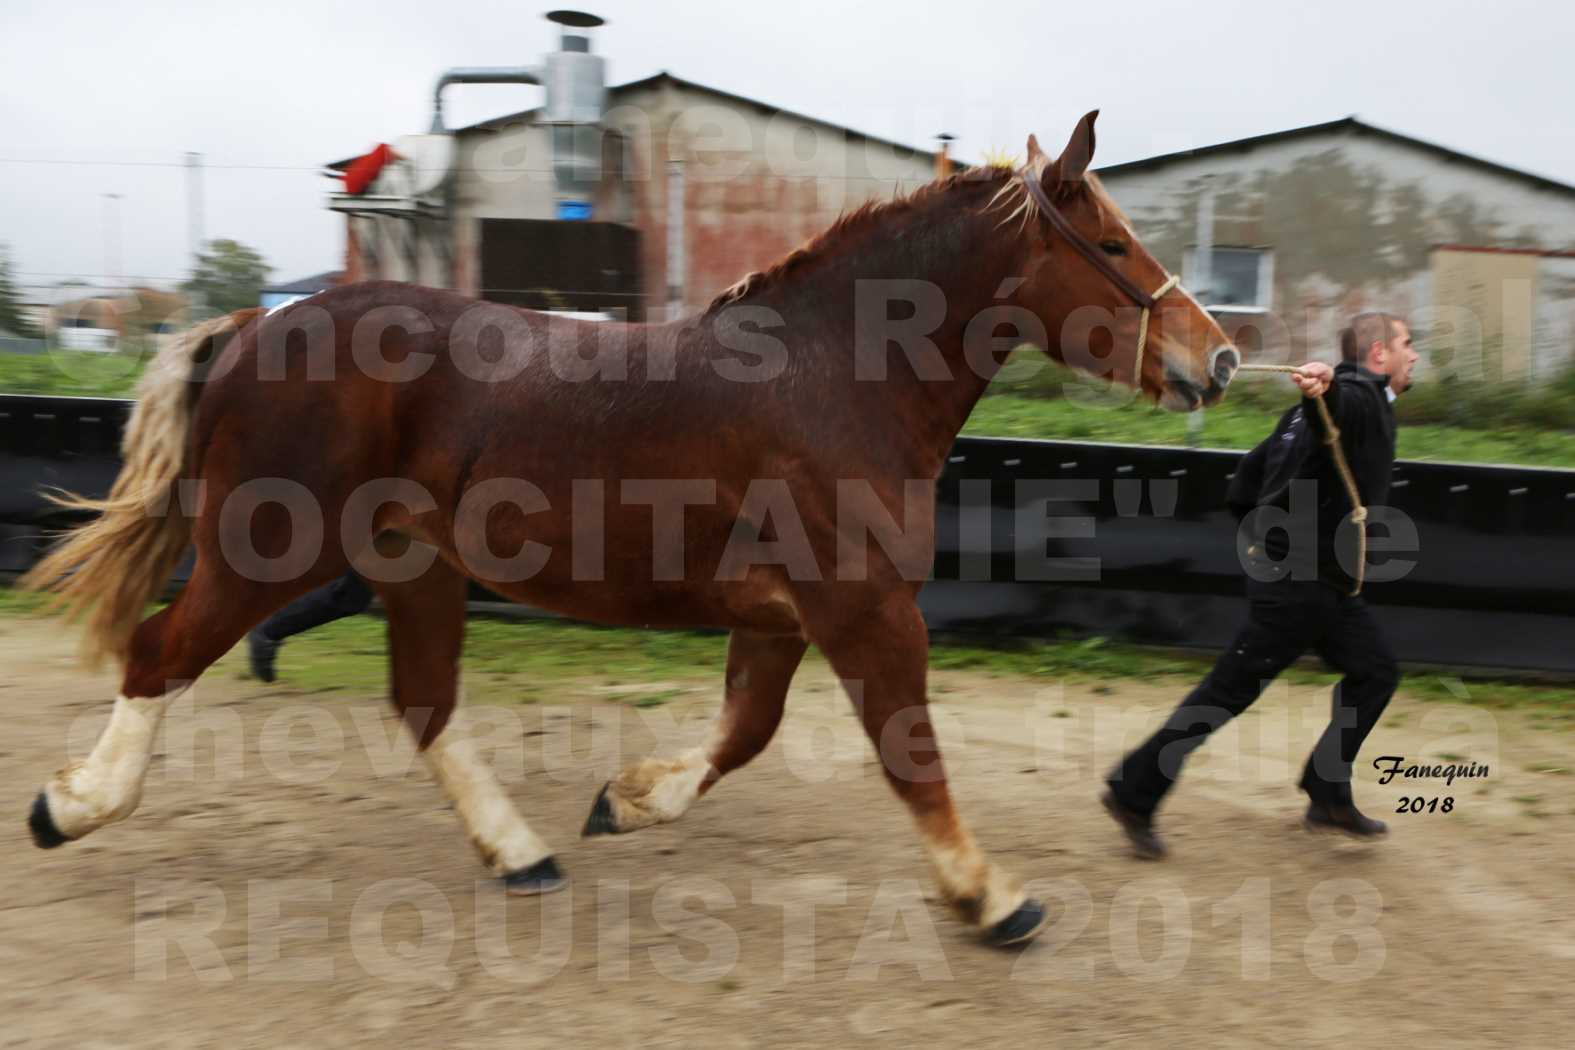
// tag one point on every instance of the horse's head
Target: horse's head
(1108, 305)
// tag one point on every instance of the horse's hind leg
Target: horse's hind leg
(426, 627)
(168, 651)
(654, 791)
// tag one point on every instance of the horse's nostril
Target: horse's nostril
(1223, 365)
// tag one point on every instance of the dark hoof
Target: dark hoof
(600, 822)
(42, 825)
(1021, 926)
(544, 876)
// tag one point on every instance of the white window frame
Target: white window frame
(1265, 296)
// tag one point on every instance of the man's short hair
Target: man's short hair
(1365, 330)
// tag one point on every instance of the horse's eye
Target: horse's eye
(1113, 247)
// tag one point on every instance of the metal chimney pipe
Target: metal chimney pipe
(943, 156)
(574, 76)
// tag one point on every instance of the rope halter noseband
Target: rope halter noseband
(1159, 293)
(1143, 300)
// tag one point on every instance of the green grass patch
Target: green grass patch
(1530, 425)
(14, 602)
(1098, 660)
(1034, 398)
(523, 658)
(72, 373)
(520, 660)
(507, 658)
(1242, 425)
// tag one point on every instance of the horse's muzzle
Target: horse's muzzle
(1184, 393)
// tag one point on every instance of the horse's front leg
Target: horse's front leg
(654, 791)
(882, 657)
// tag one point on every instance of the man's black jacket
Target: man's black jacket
(1295, 452)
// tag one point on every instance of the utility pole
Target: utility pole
(194, 222)
(1201, 277)
(1203, 257)
(112, 238)
(194, 215)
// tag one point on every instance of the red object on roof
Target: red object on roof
(364, 170)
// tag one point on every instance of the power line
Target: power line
(482, 291)
(152, 164)
(127, 276)
(695, 172)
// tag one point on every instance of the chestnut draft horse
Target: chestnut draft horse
(766, 467)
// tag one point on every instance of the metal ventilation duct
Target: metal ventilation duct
(477, 75)
(575, 80)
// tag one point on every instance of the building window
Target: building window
(1238, 278)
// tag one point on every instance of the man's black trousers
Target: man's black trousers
(1286, 619)
(346, 596)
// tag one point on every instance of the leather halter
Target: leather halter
(1140, 298)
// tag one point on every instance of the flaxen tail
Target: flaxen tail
(106, 571)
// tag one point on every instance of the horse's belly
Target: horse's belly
(636, 602)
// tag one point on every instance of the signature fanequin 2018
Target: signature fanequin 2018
(1391, 766)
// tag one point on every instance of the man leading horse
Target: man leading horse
(1300, 596)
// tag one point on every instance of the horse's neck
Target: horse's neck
(965, 261)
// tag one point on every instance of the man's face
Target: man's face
(1400, 357)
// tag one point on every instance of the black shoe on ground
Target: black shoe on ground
(1344, 818)
(261, 651)
(1139, 829)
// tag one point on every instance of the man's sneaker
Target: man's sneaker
(1139, 828)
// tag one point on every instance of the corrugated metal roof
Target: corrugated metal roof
(1350, 125)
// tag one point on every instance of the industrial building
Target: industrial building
(645, 199)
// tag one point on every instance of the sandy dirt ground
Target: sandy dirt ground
(293, 879)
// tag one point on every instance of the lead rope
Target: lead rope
(1337, 453)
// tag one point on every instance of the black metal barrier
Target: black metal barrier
(1038, 537)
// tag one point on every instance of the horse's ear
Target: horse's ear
(1069, 168)
(1035, 154)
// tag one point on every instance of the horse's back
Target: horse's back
(391, 377)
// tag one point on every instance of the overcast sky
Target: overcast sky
(101, 97)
